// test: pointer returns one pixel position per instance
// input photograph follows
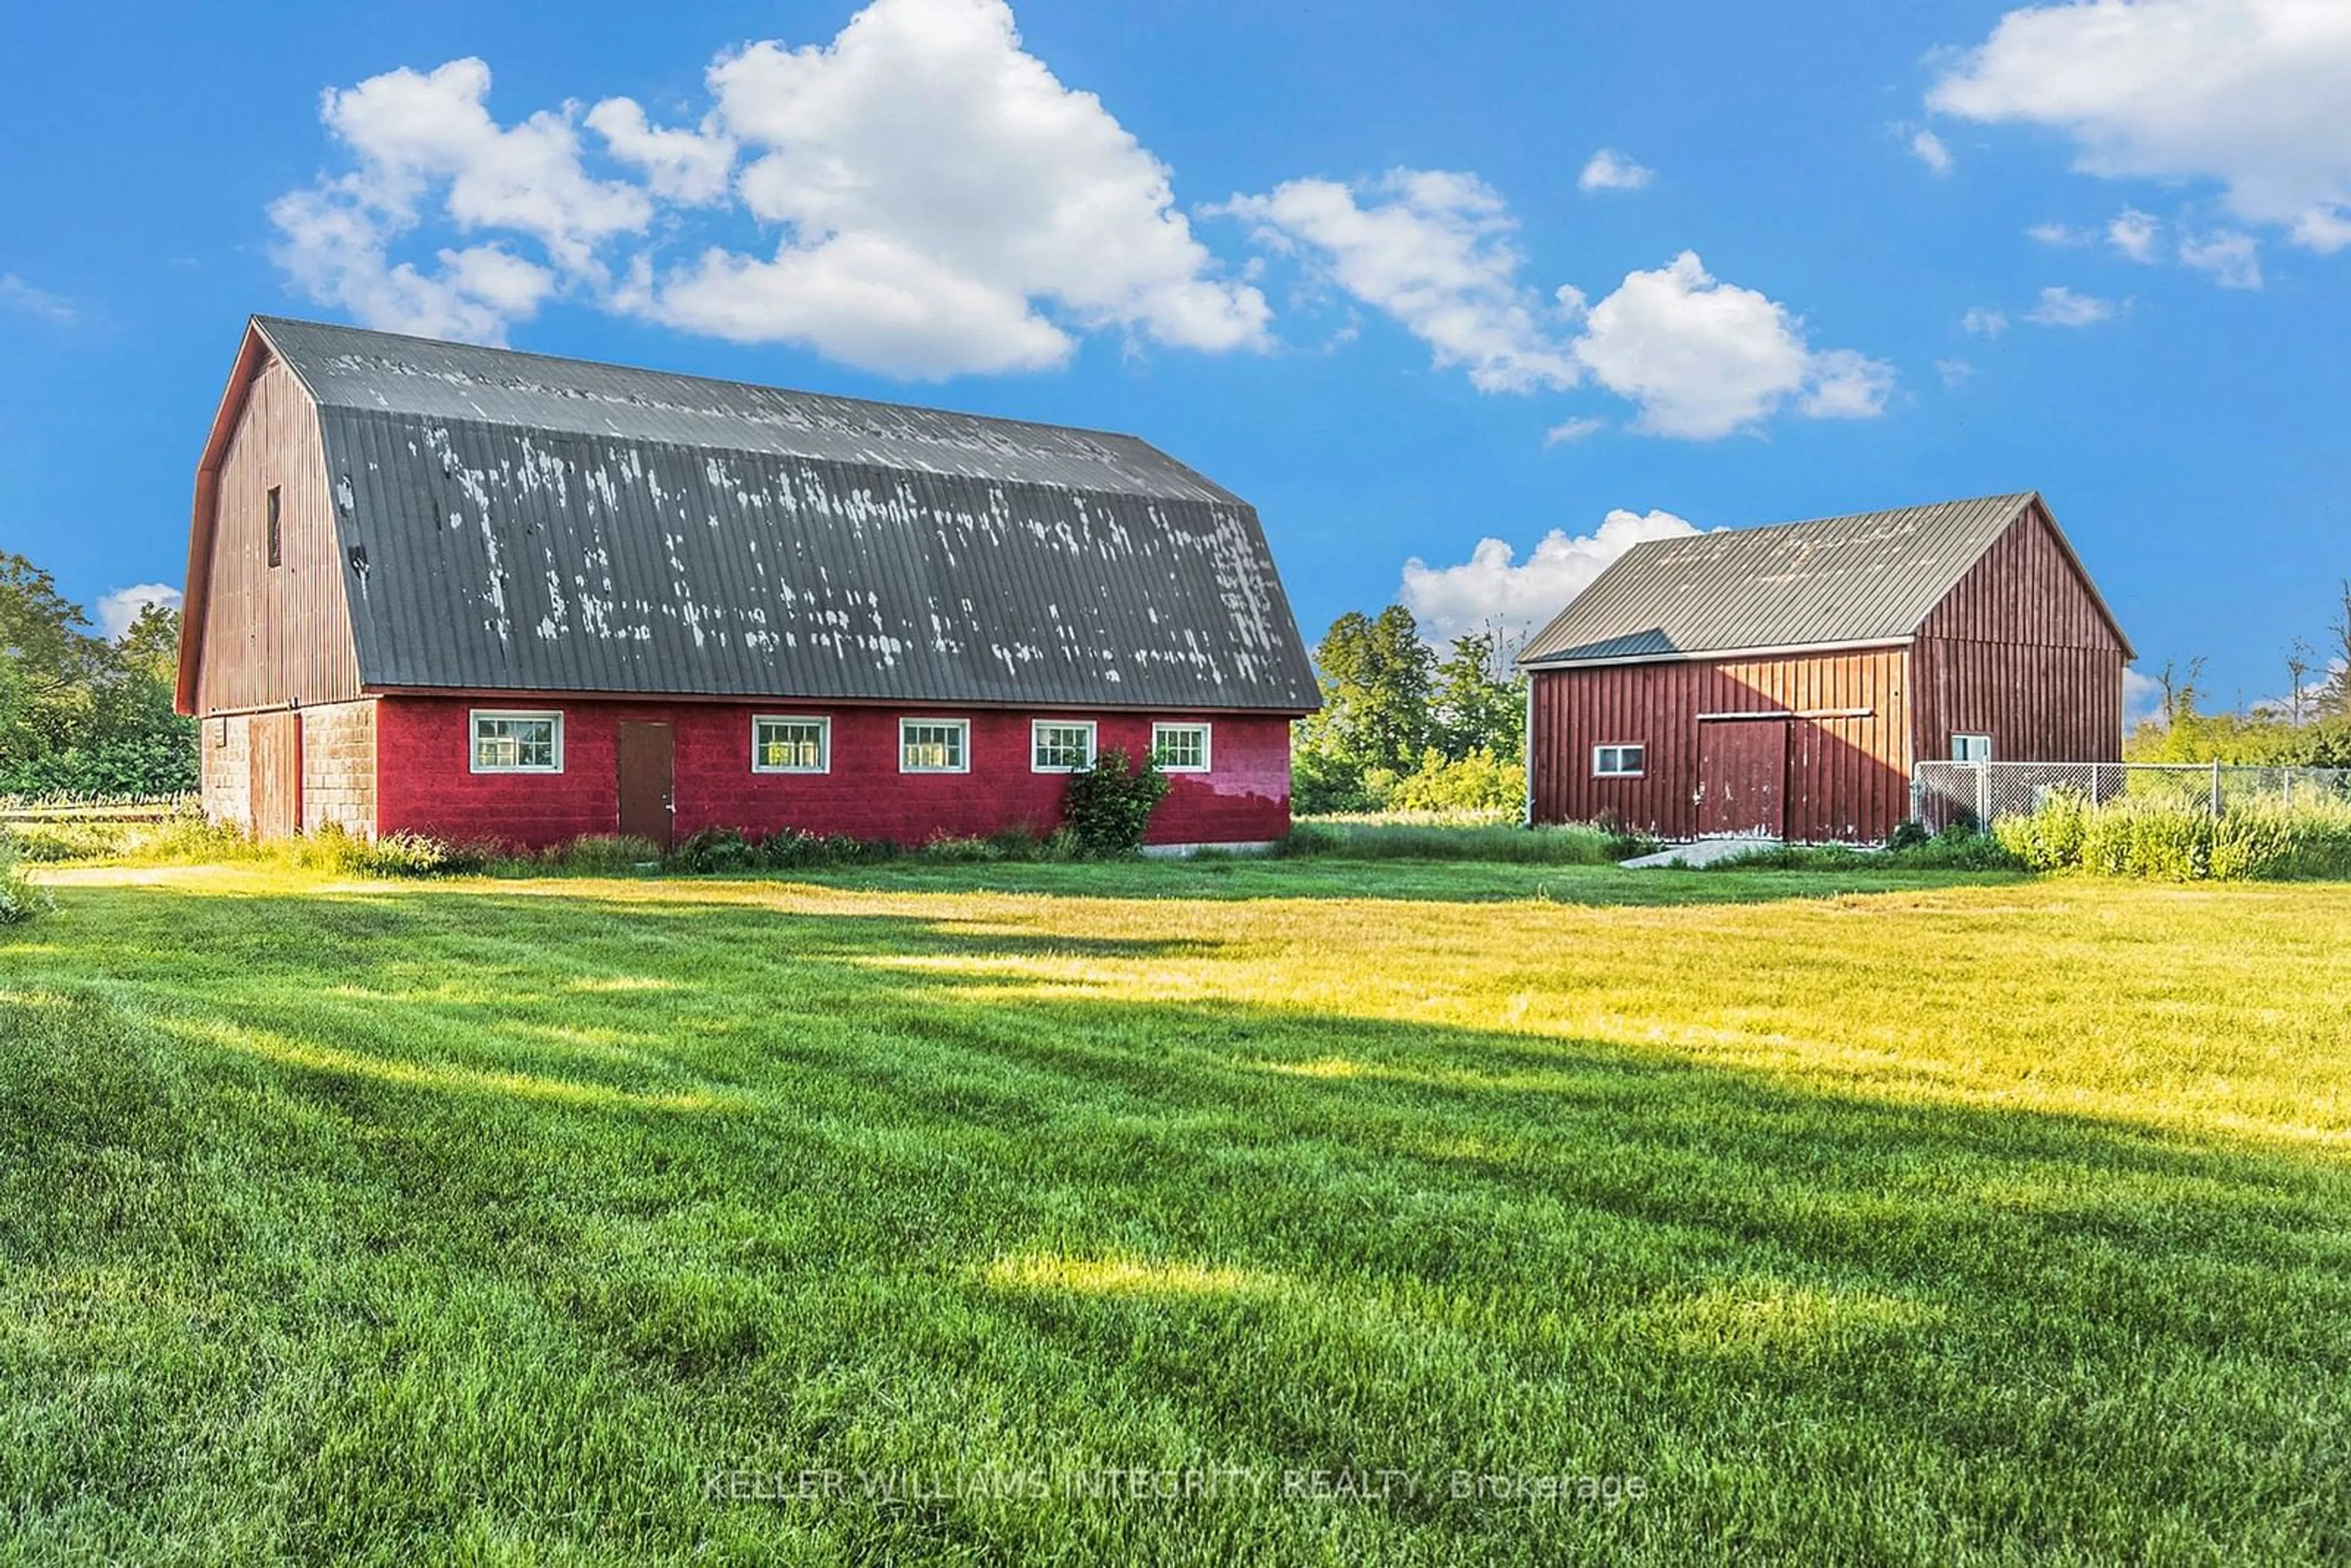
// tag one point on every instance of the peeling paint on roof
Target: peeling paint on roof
(548, 525)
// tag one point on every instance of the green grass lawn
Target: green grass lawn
(1960, 1220)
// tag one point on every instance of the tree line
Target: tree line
(1405, 727)
(81, 715)
(2310, 727)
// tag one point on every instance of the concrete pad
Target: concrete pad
(1703, 851)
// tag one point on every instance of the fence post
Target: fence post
(2216, 787)
(1983, 795)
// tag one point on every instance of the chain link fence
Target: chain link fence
(1942, 793)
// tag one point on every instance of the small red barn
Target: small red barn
(1783, 681)
(484, 594)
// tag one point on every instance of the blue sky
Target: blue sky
(1356, 265)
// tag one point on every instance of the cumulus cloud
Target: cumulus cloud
(941, 203)
(2230, 257)
(2061, 307)
(1494, 587)
(2133, 233)
(19, 295)
(118, 610)
(2247, 93)
(1928, 149)
(1702, 358)
(1433, 251)
(1954, 372)
(1610, 169)
(2059, 235)
(2142, 699)
(1982, 322)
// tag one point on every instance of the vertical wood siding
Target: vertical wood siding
(1848, 777)
(2020, 652)
(274, 636)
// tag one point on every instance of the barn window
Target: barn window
(1060, 746)
(935, 746)
(276, 537)
(1180, 747)
(1972, 749)
(1619, 762)
(517, 742)
(791, 745)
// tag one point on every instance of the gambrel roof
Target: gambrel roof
(509, 521)
(1871, 578)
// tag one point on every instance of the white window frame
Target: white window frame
(474, 718)
(962, 751)
(824, 723)
(1037, 729)
(1961, 745)
(1207, 758)
(1638, 770)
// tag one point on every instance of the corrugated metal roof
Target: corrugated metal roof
(514, 522)
(1870, 577)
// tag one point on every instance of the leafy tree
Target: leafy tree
(1479, 704)
(1375, 675)
(79, 715)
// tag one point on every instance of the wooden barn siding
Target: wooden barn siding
(2019, 652)
(1848, 779)
(274, 636)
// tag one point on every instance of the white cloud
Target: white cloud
(1954, 372)
(1610, 169)
(19, 295)
(2231, 258)
(926, 144)
(941, 203)
(1703, 358)
(2062, 306)
(1494, 587)
(1928, 149)
(2059, 235)
(1574, 430)
(2142, 699)
(1984, 322)
(689, 167)
(2133, 233)
(1433, 251)
(118, 610)
(2245, 93)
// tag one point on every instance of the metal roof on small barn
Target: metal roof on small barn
(514, 522)
(1873, 576)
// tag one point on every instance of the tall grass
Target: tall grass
(1571, 843)
(2161, 841)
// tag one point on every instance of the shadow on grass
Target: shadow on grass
(923, 1220)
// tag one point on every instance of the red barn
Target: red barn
(1783, 681)
(482, 594)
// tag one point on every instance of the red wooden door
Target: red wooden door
(648, 787)
(1742, 776)
(274, 778)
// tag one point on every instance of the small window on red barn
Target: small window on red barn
(1972, 749)
(277, 539)
(1619, 762)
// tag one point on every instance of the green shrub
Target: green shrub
(1480, 781)
(1571, 844)
(1109, 805)
(420, 855)
(21, 898)
(713, 849)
